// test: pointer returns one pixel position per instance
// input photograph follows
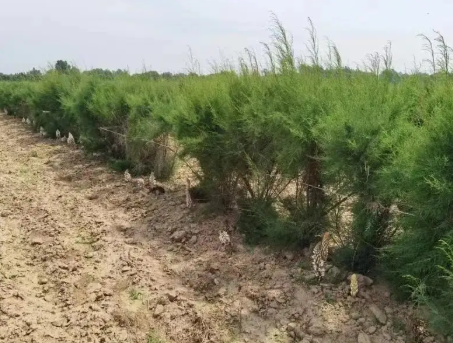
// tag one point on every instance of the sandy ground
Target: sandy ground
(84, 257)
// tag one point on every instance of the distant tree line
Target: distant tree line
(65, 67)
(33, 74)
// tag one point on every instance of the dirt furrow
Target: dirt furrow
(66, 262)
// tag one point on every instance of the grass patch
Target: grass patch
(135, 294)
(153, 337)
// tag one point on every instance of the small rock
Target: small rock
(42, 281)
(37, 241)
(309, 277)
(355, 315)
(92, 196)
(291, 326)
(97, 246)
(327, 266)
(386, 336)
(63, 266)
(123, 226)
(365, 295)
(172, 296)
(363, 338)
(299, 333)
(56, 324)
(379, 314)
(365, 280)
(163, 300)
(316, 330)
(178, 236)
(372, 329)
(222, 292)
(213, 268)
(193, 239)
(334, 275)
(89, 255)
(95, 308)
(158, 311)
(362, 280)
(289, 256)
(273, 304)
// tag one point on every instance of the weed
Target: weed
(329, 298)
(135, 294)
(153, 337)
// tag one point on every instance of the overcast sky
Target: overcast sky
(135, 33)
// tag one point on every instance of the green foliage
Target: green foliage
(359, 139)
(422, 175)
(17, 97)
(32, 75)
(120, 165)
(257, 220)
(48, 110)
(150, 146)
(62, 66)
(154, 337)
(84, 122)
(210, 128)
(440, 305)
(114, 116)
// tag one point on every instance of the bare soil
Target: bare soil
(85, 257)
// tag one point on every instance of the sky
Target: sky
(156, 35)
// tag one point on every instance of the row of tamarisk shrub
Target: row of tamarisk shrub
(302, 147)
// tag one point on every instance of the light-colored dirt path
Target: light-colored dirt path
(85, 258)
